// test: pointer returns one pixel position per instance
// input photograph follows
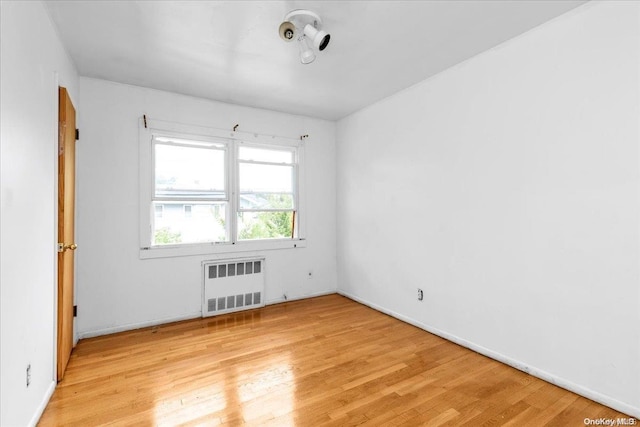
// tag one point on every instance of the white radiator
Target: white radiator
(232, 285)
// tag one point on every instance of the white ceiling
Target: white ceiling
(230, 50)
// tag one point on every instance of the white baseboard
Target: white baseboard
(299, 297)
(132, 326)
(43, 405)
(633, 411)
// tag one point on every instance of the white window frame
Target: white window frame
(234, 140)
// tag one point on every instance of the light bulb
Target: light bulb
(306, 53)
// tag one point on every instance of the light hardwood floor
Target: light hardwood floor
(320, 361)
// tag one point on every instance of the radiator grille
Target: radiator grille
(234, 269)
(232, 285)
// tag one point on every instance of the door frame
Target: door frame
(56, 114)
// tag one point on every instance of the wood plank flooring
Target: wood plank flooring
(321, 361)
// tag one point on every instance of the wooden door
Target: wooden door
(66, 226)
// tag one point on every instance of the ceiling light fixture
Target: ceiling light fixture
(304, 26)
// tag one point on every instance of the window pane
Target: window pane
(265, 178)
(262, 201)
(265, 155)
(264, 225)
(266, 186)
(206, 223)
(190, 172)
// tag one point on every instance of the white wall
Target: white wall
(31, 55)
(507, 189)
(116, 289)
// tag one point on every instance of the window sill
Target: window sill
(219, 248)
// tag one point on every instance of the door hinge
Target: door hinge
(77, 134)
(75, 311)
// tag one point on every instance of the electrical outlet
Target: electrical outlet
(28, 375)
(420, 295)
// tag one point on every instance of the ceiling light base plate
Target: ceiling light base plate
(302, 17)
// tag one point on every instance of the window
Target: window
(189, 173)
(266, 208)
(208, 190)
